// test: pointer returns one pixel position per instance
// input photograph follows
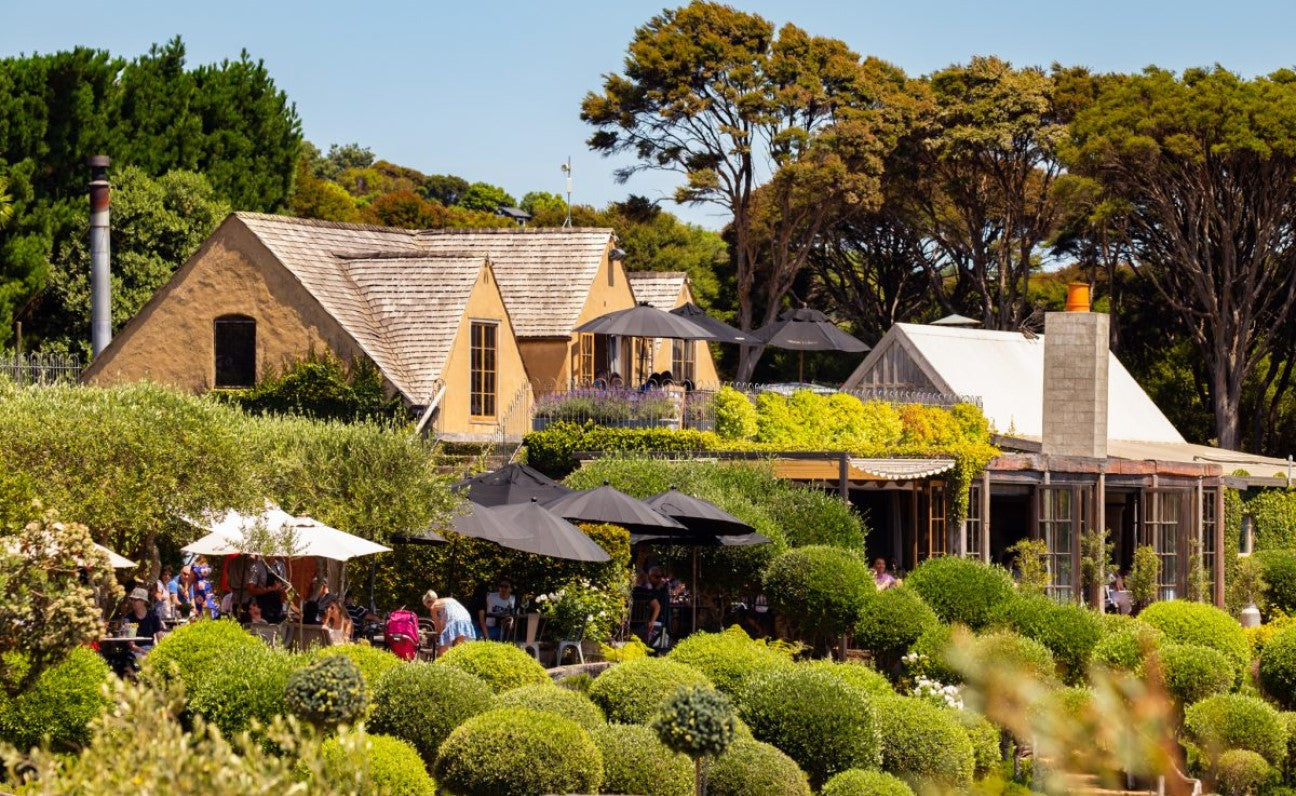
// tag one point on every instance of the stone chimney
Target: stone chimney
(1075, 379)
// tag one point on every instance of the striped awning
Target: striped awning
(901, 469)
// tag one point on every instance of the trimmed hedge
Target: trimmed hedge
(858, 782)
(752, 768)
(1279, 569)
(373, 662)
(245, 684)
(821, 589)
(890, 622)
(519, 751)
(394, 767)
(859, 675)
(1233, 721)
(631, 692)
(984, 738)
(730, 658)
(1068, 630)
(1125, 648)
(820, 721)
(59, 706)
(499, 665)
(1278, 667)
(1009, 649)
(924, 745)
(1240, 772)
(327, 692)
(1198, 623)
(422, 702)
(553, 450)
(190, 652)
(961, 589)
(1193, 672)
(635, 761)
(564, 702)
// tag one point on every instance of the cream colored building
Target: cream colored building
(685, 359)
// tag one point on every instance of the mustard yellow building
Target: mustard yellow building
(266, 290)
(686, 359)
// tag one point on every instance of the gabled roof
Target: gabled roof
(401, 305)
(661, 289)
(1006, 370)
(544, 274)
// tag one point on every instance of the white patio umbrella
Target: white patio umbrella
(115, 560)
(298, 536)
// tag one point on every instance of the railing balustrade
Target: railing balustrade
(40, 369)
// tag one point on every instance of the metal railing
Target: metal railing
(515, 420)
(898, 395)
(40, 369)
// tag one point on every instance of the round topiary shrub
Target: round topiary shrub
(860, 675)
(519, 751)
(189, 653)
(752, 768)
(373, 662)
(821, 722)
(890, 623)
(1240, 772)
(729, 658)
(925, 745)
(1126, 648)
(961, 589)
(820, 588)
(636, 762)
(1233, 721)
(929, 655)
(421, 703)
(858, 782)
(244, 685)
(327, 692)
(58, 707)
(1197, 623)
(1278, 667)
(984, 738)
(1192, 672)
(501, 666)
(1007, 649)
(697, 721)
(1288, 720)
(1279, 568)
(393, 767)
(1068, 630)
(631, 692)
(563, 702)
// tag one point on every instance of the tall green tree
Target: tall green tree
(713, 94)
(1205, 164)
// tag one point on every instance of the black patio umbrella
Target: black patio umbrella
(646, 321)
(807, 330)
(605, 504)
(529, 527)
(512, 483)
(724, 333)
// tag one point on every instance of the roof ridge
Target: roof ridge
(476, 257)
(319, 222)
(657, 274)
(446, 231)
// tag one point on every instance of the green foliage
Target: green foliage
(807, 420)
(890, 622)
(735, 417)
(730, 658)
(696, 721)
(486, 197)
(631, 692)
(59, 705)
(391, 766)
(984, 737)
(1144, 575)
(499, 665)
(1278, 568)
(320, 386)
(821, 722)
(858, 675)
(924, 745)
(961, 589)
(191, 653)
(1233, 721)
(581, 609)
(244, 685)
(46, 609)
(930, 654)
(1069, 631)
(519, 751)
(1126, 648)
(1245, 584)
(373, 662)
(548, 698)
(552, 450)
(327, 692)
(421, 703)
(1095, 560)
(1009, 649)
(822, 589)
(1278, 667)
(753, 768)
(1239, 772)
(1274, 513)
(858, 782)
(1206, 625)
(1192, 672)
(1030, 559)
(635, 761)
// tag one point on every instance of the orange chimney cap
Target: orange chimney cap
(1077, 297)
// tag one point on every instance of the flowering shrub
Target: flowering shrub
(937, 693)
(608, 406)
(581, 610)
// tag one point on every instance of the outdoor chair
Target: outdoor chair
(307, 636)
(656, 636)
(270, 634)
(532, 645)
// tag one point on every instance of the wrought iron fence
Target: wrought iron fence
(668, 407)
(903, 396)
(40, 369)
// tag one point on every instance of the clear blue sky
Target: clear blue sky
(491, 90)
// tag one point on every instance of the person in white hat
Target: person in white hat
(141, 623)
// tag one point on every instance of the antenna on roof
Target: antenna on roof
(566, 167)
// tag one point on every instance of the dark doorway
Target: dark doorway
(1010, 518)
(1121, 506)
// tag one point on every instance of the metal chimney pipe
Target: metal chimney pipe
(100, 273)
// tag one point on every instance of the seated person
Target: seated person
(335, 620)
(656, 599)
(615, 382)
(882, 579)
(252, 613)
(498, 608)
(452, 621)
(267, 582)
(141, 622)
(600, 380)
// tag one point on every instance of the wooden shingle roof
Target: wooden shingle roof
(401, 304)
(661, 289)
